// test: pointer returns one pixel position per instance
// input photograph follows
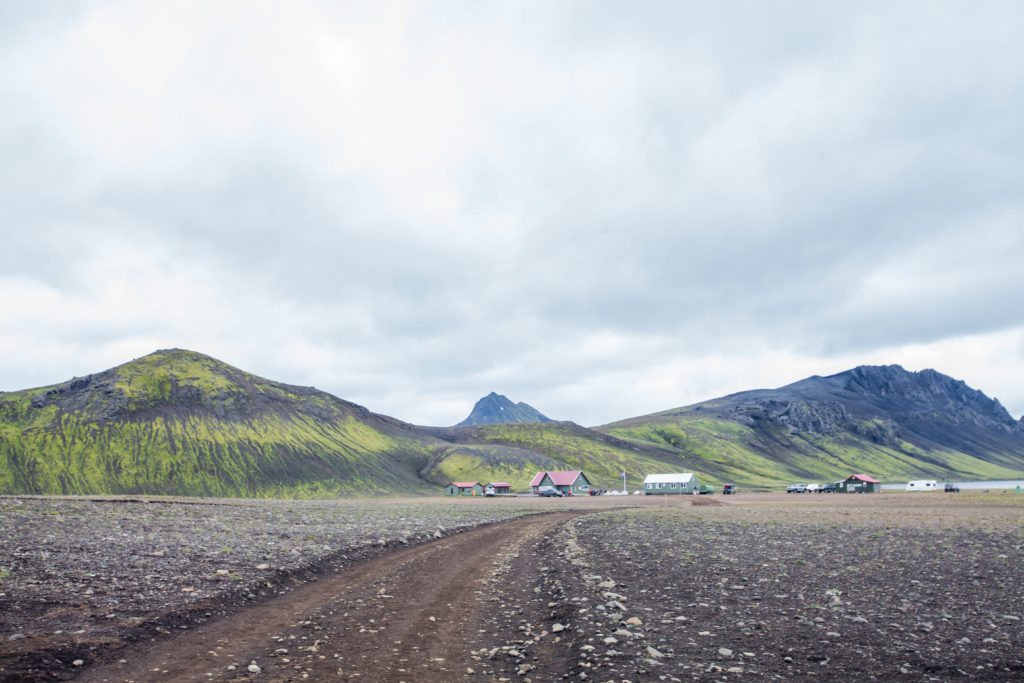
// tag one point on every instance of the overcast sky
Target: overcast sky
(603, 209)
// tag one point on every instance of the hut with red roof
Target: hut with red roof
(569, 482)
(859, 483)
(464, 488)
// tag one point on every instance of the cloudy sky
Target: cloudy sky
(603, 209)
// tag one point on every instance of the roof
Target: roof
(867, 479)
(500, 484)
(558, 477)
(464, 484)
(674, 478)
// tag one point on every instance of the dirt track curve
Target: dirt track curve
(409, 615)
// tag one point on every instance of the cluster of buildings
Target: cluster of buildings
(576, 483)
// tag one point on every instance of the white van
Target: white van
(923, 485)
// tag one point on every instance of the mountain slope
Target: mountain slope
(178, 422)
(520, 450)
(882, 420)
(497, 409)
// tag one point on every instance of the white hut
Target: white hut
(677, 482)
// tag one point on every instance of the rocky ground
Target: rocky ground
(832, 588)
(81, 575)
(905, 587)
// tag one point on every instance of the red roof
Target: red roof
(558, 477)
(463, 484)
(864, 478)
(500, 485)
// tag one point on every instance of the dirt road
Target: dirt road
(415, 614)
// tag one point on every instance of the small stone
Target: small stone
(1011, 617)
(724, 652)
(735, 669)
(223, 572)
(653, 652)
(557, 628)
(263, 566)
(470, 671)
(634, 621)
(78, 662)
(610, 640)
(253, 668)
(16, 636)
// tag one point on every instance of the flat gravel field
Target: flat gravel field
(78, 575)
(893, 586)
(920, 586)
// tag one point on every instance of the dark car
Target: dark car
(827, 488)
(952, 488)
(550, 493)
(728, 489)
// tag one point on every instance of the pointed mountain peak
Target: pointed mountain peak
(495, 408)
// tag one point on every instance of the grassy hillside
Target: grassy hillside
(566, 446)
(177, 422)
(767, 456)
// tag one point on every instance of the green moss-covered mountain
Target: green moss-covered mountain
(181, 423)
(882, 420)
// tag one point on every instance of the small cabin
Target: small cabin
(498, 488)
(569, 482)
(923, 485)
(678, 483)
(464, 488)
(859, 483)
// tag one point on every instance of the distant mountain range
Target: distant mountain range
(497, 409)
(181, 423)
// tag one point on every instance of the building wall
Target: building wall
(678, 488)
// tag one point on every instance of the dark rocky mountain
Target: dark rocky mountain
(883, 419)
(497, 409)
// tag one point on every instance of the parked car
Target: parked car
(796, 488)
(706, 490)
(812, 488)
(549, 492)
(728, 489)
(952, 488)
(827, 488)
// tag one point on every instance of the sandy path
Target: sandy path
(406, 616)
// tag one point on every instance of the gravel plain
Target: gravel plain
(839, 588)
(78, 575)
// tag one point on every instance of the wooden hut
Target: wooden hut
(464, 488)
(859, 483)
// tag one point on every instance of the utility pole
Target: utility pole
(624, 482)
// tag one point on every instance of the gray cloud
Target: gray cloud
(607, 208)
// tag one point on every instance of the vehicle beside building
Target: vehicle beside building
(796, 488)
(569, 482)
(728, 489)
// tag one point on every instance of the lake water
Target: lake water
(964, 485)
